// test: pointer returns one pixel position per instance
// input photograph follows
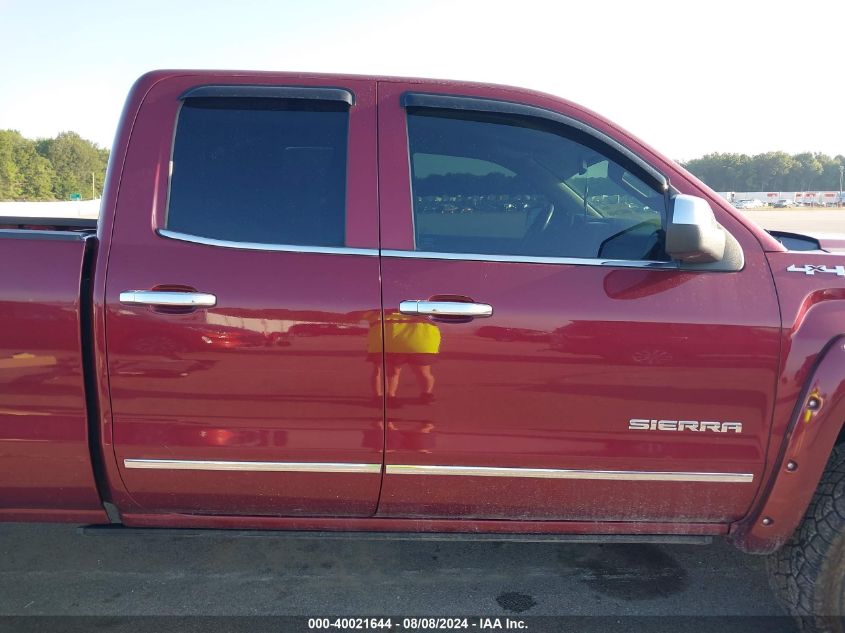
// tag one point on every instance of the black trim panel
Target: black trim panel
(496, 537)
(70, 223)
(476, 104)
(271, 92)
(61, 236)
(796, 241)
(89, 369)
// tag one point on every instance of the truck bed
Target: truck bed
(44, 434)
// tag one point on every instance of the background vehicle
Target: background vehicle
(419, 294)
(748, 204)
(783, 203)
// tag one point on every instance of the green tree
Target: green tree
(74, 160)
(37, 174)
(9, 177)
(24, 175)
(723, 172)
(770, 170)
(829, 179)
(805, 171)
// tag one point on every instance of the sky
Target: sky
(687, 77)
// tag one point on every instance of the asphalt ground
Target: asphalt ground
(118, 576)
(829, 221)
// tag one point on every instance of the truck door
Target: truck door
(544, 358)
(242, 295)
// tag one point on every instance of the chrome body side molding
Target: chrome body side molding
(374, 252)
(460, 471)
(292, 467)
(553, 473)
(528, 259)
(258, 246)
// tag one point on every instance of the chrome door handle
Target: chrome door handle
(168, 298)
(446, 308)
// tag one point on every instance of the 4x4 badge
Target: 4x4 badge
(812, 269)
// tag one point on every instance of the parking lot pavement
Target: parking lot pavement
(830, 221)
(61, 571)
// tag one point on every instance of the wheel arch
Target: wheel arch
(817, 426)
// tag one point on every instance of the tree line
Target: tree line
(58, 168)
(771, 171)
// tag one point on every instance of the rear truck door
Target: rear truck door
(242, 293)
(544, 359)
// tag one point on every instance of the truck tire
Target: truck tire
(808, 573)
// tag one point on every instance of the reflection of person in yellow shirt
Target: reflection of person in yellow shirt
(408, 340)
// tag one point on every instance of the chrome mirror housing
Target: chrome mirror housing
(692, 234)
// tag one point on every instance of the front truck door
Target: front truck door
(242, 293)
(544, 358)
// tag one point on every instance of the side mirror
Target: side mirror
(693, 235)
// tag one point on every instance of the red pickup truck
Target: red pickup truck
(320, 302)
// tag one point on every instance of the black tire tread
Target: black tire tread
(804, 572)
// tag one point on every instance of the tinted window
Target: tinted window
(260, 170)
(507, 185)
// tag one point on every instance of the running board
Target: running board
(674, 539)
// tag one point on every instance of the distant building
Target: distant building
(807, 198)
